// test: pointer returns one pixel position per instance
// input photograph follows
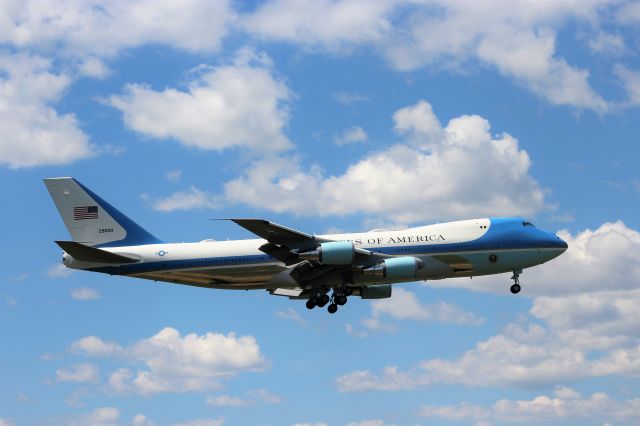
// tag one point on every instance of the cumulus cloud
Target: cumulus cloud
(630, 81)
(176, 363)
(404, 305)
(189, 199)
(94, 346)
(447, 161)
(141, 420)
(607, 44)
(94, 28)
(173, 175)
(59, 271)
(227, 401)
(291, 314)
(348, 98)
(519, 42)
(564, 404)
(238, 105)
(84, 372)
(85, 293)
(105, 416)
(33, 132)
(263, 395)
(325, 24)
(354, 134)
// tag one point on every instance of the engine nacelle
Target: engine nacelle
(395, 268)
(333, 253)
(381, 291)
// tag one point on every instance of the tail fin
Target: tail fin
(91, 220)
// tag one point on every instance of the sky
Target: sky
(324, 116)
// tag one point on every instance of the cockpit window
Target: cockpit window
(527, 223)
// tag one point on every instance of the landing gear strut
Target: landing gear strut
(515, 288)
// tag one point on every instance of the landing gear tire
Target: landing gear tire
(323, 300)
(311, 303)
(340, 299)
(515, 288)
(333, 308)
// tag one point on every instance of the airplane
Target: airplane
(295, 264)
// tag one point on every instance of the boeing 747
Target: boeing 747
(321, 269)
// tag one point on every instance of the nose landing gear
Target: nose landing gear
(515, 288)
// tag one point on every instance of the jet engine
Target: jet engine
(380, 291)
(396, 267)
(333, 253)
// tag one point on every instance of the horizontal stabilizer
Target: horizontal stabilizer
(91, 254)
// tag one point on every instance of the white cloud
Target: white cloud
(519, 42)
(176, 363)
(354, 134)
(392, 379)
(253, 397)
(518, 357)
(404, 305)
(291, 314)
(94, 28)
(105, 416)
(85, 293)
(607, 44)
(238, 105)
(629, 13)
(94, 67)
(320, 23)
(630, 81)
(463, 172)
(141, 420)
(263, 395)
(33, 132)
(84, 372)
(94, 346)
(348, 98)
(173, 175)
(201, 422)
(5, 422)
(192, 198)
(227, 401)
(59, 271)
(9, 300)
(566, 404)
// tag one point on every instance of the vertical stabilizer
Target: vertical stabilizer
(91, 220)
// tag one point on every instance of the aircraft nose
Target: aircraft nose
(551, 246)
(553, 241)
(562, 244)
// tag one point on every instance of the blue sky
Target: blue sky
(323, 116)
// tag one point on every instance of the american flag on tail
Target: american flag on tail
(85, 212)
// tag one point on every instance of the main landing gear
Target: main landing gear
(515, 288)
(338, 298)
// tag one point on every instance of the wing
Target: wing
(285, 243)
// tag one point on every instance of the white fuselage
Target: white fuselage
(461, 248)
